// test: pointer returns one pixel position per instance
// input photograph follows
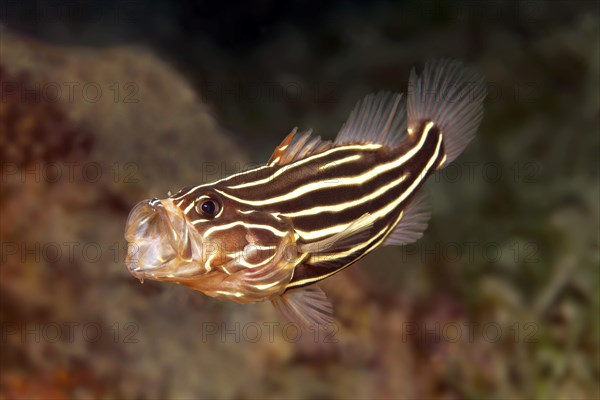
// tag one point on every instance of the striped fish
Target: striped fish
(316, 207)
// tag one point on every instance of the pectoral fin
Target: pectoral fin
(305, 307)
(356, 232)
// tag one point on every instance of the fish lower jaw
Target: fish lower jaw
(172, 270)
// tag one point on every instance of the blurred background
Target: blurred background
(107, 103)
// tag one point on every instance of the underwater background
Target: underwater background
(103, 104)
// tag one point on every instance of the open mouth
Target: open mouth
(159, 239)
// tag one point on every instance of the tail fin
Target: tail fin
(451, 96)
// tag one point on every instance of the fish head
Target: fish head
(162, 242)
(185, 237)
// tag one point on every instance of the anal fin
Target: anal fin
(307, 306)
(412, 224)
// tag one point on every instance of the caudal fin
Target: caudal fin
(451, 96)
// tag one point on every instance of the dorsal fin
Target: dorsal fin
(296, 146)
(378, 118)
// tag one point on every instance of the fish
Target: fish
(273, 232)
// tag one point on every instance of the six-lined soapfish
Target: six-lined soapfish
(316, 207)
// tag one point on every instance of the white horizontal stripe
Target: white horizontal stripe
(224, 293)
(218, 228)
(339, 162)
(195, 188)
(304, 161)
(189, 207)
(266, 285)
(332, 230)
(344, 206)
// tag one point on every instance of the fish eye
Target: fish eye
(208, 207)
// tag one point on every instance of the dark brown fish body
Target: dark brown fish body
(316, 207)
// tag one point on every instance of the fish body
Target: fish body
(316, 207)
